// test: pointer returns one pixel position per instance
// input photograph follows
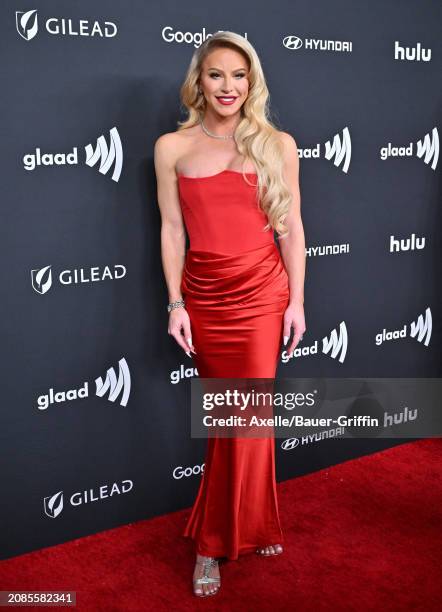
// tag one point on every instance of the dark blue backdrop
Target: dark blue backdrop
(95, 412)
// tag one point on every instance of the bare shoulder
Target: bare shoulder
(290, 149)
(166, 144)
(288, 141)
(169, 148)
(171, 140)
(166, 152)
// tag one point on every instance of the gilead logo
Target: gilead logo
(27, 26)
(41, 278)
(53, 504)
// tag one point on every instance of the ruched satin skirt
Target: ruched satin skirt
(236, 305)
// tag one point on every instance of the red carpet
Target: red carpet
(363, 535)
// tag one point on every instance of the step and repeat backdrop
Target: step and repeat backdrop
(95, 412)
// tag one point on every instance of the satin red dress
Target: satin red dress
(235, 287)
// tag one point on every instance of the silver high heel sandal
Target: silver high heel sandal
(207, 564)
(260, 551)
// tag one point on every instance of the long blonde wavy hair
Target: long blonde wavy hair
(256, 137)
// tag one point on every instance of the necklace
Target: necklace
(206, 131)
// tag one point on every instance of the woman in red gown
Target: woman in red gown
(233, 298)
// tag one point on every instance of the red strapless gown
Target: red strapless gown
(236, 290)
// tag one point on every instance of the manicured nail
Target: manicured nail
(189, 341)
(188, 353)
(286, 339)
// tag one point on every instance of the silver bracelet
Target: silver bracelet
(173, 305)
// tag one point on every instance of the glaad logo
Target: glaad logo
(111, 384)
(294, 43)
(418, 53)
(421, 329)
(338, 150)
(406, 244)
(115, 386)
(53, 505)
(428, 148)
(27, 26)
(177, 375)
(108, 156)
(41, 278)
(336, 345)
(291, 443)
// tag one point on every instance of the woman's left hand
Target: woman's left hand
(294, 317)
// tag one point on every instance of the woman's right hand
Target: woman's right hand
(179, 328)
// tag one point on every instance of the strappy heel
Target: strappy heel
(260, 551)
(207, 564)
